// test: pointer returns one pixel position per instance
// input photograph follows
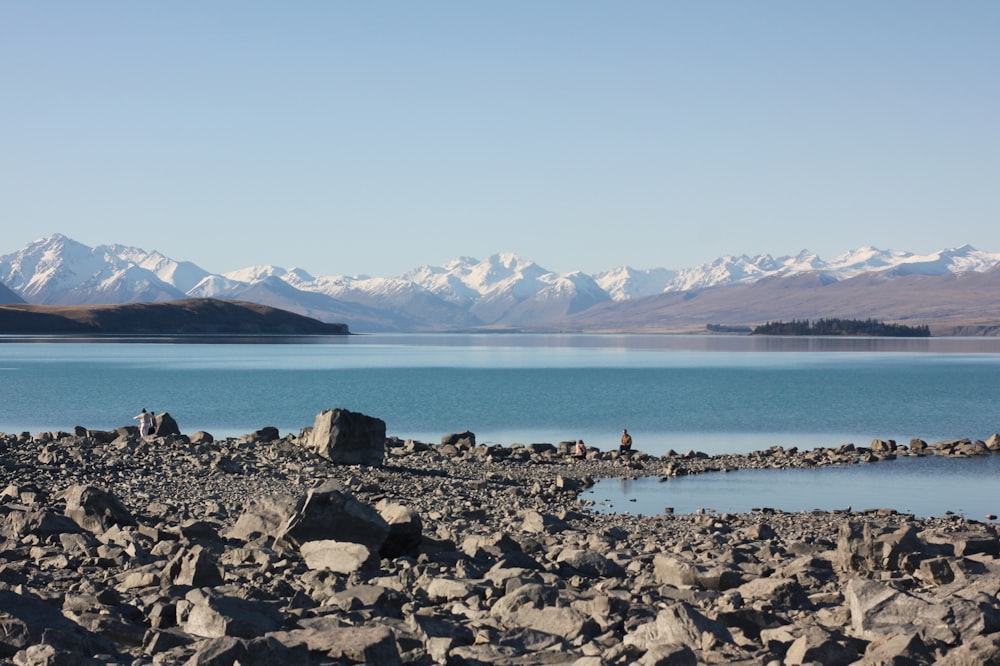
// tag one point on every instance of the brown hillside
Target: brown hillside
(204, 316)
(967, 304)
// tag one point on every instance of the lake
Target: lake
(716, 394)
(924, 486)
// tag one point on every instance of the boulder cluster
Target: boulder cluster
(342, 546)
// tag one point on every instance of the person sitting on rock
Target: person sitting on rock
(581, 451)
(626, 445)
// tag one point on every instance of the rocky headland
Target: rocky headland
(340, 545)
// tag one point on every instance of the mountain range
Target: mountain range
(954, 291)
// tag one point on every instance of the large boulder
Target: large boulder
(213, 615)
(29, 623)
(94, 509)
(678, 624)
(327, 512)
(348, 437)
(405, 530)
(165, 425)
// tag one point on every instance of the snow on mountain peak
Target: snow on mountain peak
(59, 270)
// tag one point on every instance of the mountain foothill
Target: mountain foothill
(63, 285)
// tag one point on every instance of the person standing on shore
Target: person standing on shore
(145, 420)
(626, 445)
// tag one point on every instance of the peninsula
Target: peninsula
(192, 316)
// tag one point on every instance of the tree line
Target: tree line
(834, 326)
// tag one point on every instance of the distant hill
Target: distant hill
(193, 316)
(949, 304)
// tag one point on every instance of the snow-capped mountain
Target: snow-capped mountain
(504, 290)
(60, 271)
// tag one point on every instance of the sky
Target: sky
(350, 137)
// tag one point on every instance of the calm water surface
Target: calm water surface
(717, 394)
(925, 487)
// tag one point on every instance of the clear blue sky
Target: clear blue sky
(374, 137)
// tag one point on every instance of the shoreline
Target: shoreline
(503, 564)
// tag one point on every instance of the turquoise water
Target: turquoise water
(715, 394)
(711, 394)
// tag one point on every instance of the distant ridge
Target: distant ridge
(8, 295)
(949, 290)
(194, 316)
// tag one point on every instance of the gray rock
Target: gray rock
(666, 654)
(26, 621)
(465, 438)
(263, 651)
(405, 530)
(538, 522)
(195, 567)
(338, 556)
(345, 644)
(94, 509)
(676, 572)
(678, 624)
(588, 563)
(214, 615)
(899, 649)
(538, 577)
(819, 645)
(879, 609)
(977, 651)
(348, 437)
(266, 516)
(329, 512)
(856, 547)
(165, 425)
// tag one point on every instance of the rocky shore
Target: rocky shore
(342, 546)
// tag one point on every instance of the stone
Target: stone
(344, 644)
(878, 609)
(538, 522)
(588, 563)
(477, 554)
(348, 437)
(678, 624)
(339, 556)
(668, 654)
(266, 516)
(465, 438)
(94, 509)
(977, 651)
(819, 645)
(405, 530)
(856, 547)
(673, 571)
(195, 567)
(774, 591)
(263, 651)
(215, 615)
(898, 649)
(26, 621)
(993, 443)
(165, 425)
(329, 512)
